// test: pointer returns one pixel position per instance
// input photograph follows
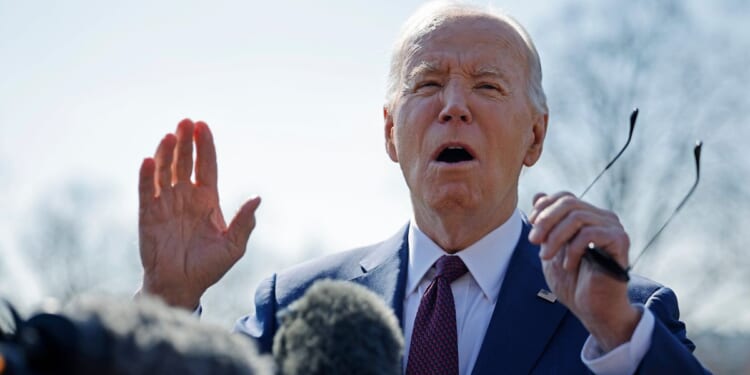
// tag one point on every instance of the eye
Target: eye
(490, 86)
(428, 85)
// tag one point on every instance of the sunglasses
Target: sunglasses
(600, 258)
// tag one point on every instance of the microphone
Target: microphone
(104, 335)
(338, 327)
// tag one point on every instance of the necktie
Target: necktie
(434, 341)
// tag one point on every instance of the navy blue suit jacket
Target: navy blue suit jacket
(526, 334)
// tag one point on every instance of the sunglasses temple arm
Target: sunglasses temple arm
(697, 154)
(633, 118)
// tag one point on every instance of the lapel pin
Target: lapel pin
(547, 295)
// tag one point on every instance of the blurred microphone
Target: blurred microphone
(97, 335)
(338, 327)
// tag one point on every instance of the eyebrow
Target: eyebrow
(490, 71)
(430, 67)
(424, 68)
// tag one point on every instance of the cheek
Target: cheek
(509, 145)
(412, 122)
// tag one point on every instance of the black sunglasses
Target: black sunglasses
(601, 258)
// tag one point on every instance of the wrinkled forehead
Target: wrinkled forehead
(479, 42)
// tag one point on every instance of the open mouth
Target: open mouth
(454, 154)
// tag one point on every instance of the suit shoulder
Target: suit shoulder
(277, 291)
(292, 282)
(336, 266)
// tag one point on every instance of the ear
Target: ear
(538, 132)
(390, 145)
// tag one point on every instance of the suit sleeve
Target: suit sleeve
(670, 351)
(262, 325)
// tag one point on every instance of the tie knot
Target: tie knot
(450, 268)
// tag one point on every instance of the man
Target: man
(465, 113)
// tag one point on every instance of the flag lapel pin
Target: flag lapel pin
(547, 295)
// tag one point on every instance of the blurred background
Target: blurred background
(293, 91)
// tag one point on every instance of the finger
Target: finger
(536, 206)
(538, 196)
(612, 240)
(552, 210)
(573, 255)
(146, 185)
(534, 201)
(549, 218)
(553, 265)
(163, 159)
(182, 167)
(205, 161)
(542, 201)
(564, 231)
(242, 225)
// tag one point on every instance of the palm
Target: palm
(194, 252)
(185, 244)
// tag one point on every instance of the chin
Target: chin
(454, 197)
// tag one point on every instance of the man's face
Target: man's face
(463, 126)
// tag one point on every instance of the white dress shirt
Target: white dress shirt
(475, 295)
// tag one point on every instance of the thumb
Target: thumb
(243, 224)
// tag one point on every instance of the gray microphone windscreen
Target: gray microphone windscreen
(338, 327)
(146, 336)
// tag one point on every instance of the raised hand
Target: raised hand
(184, 242)
(564, 225)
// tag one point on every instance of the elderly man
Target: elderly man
(470, 275)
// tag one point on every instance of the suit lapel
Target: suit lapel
(522, 323)
(379, 267)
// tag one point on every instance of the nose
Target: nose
(455, 108)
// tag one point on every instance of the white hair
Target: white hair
(431, 16)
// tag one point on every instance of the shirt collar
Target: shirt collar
(486, 259)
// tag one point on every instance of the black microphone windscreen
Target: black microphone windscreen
(338, 327)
